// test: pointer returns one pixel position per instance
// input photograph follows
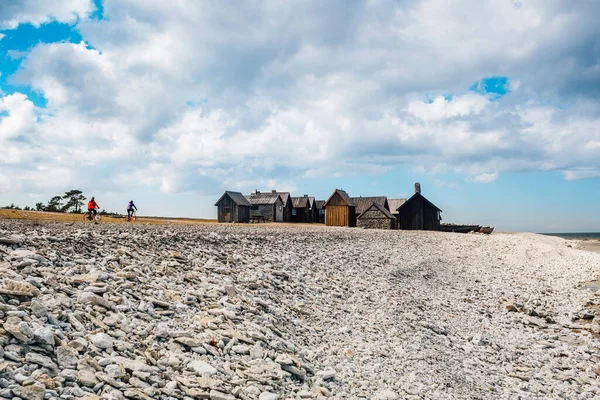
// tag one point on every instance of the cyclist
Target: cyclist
(130, 208)
(93, 206)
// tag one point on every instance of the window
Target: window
(293, 211)
(254, 208)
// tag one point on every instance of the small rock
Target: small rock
(202, 368)
(102, 341)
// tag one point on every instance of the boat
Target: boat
(459, 228)
(487, 230)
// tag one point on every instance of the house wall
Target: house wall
(419, 215)
(374, 219)
(270, 212)
(302, 215)
(228, 211)
(287, 210)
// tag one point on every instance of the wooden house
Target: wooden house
(320, 206)
(286, 198)
(362, 203)
(394, 206)
(233, 207)
(418, 213)
(340, 210)
(376, 216)
(314, 212)
(301, 211)
(267, 205)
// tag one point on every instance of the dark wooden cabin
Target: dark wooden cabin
(267, 205)
(320, 206)
(376, 217)
(314, 212)
(340, 210)
(286, 198)
(233, 207)
(301, 211)
(418, 213)
(394, 206)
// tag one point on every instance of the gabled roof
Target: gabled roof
(343, 195)
(379, 207)
(263, 198)
(284, 196)
(320, 203)
(236, 197)
(300, 202)
(395, 204)
(415, 196)
(311, 201)
(362, 203)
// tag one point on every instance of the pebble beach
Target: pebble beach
(224, 312)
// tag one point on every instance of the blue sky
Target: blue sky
(488, 104)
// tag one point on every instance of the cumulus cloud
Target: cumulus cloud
(37, 12)
(200, 96)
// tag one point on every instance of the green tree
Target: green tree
(74, 199)
(26, 208)
(55, 204)
(39, 206)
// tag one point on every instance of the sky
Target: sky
(493, 106)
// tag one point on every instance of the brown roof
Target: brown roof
(379, 207)
(284, 196)
(362, 203)
(237, 198)
(311, 201)
(395, 204)
(343, 195)
(300, 202)
(320, 204)
(263, 198)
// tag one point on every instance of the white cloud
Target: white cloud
(198, 96)
(484, 178)
(37, 12)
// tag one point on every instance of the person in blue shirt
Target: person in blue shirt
(130, 208)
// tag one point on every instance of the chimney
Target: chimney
(257, 191)
(273, 191)
(417, 188)
(305, 195)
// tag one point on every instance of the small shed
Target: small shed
(320, 206)
(267, 205)
(418, 213)
(362, 203)
(301, 209)
(233, 207)
(286, 198)
(340, 210)
(394, 206)
(376, 217)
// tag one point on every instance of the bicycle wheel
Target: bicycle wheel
(98, 218)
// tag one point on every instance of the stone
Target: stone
(67, 357)
(102, 341)
(41, 360)
(268, 396)
(19, 329)
(94, 299)
(87, 378)
(44, 335)
(326, 374)
(217, 395)
(202, 368)
(30, 392)
(256, 351)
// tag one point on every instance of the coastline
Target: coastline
(587, 245)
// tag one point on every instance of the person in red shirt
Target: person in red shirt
(93, 206)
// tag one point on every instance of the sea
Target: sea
(577, 235)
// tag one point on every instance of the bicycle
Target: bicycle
(89, 216)
(132, 217)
